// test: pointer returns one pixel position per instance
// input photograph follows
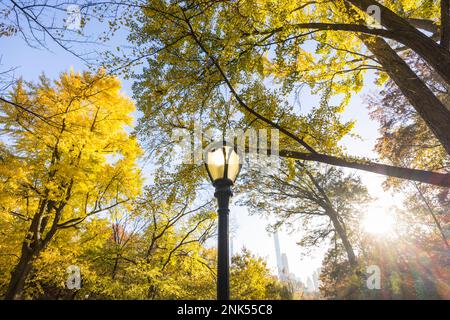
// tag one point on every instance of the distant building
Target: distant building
(284, 267)
(295, 283)
(282, 260)
(316, 278)
(310, 285)
(278, 255)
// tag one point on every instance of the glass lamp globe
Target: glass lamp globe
(222, 163)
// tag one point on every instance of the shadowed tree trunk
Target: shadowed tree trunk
(436, 55)
(35, 241)
(31, 247)
(343, 236)
(445, 24)
(426, 104)
(20, 274)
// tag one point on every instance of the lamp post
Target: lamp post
(223, 165)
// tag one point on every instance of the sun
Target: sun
(377, 222)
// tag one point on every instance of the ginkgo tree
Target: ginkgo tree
(194, 49)
(227, 43)
(77, 160)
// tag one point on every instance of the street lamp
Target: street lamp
(223, 165)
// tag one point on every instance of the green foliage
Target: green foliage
(70, 185)
(251, 279)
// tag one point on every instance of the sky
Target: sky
(249, 231)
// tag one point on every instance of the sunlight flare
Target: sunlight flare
(377, 222)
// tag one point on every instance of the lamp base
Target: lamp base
(223, 194)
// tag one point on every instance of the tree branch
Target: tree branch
(429, 177)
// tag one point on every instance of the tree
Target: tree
(112, 256)
(251, 279)
(406, 140)
(200, 55)
(320, 203)
(410, 258)
(337, 278)
(115, 262)
(59, 173)
(348, 17)
(47, 23)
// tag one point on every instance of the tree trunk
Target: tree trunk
(427, 105)
(20, 274)
(427, 48)
(334, 216)
(116, 264)
(445, 24)
(343, 236)
(31, 247)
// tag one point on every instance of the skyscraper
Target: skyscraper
(278, 255)
(316, 278)
(310, 285)
(284, 266)
(282, 260)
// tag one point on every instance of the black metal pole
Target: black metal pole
(223, 194)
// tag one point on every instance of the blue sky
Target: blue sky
(250, 231)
